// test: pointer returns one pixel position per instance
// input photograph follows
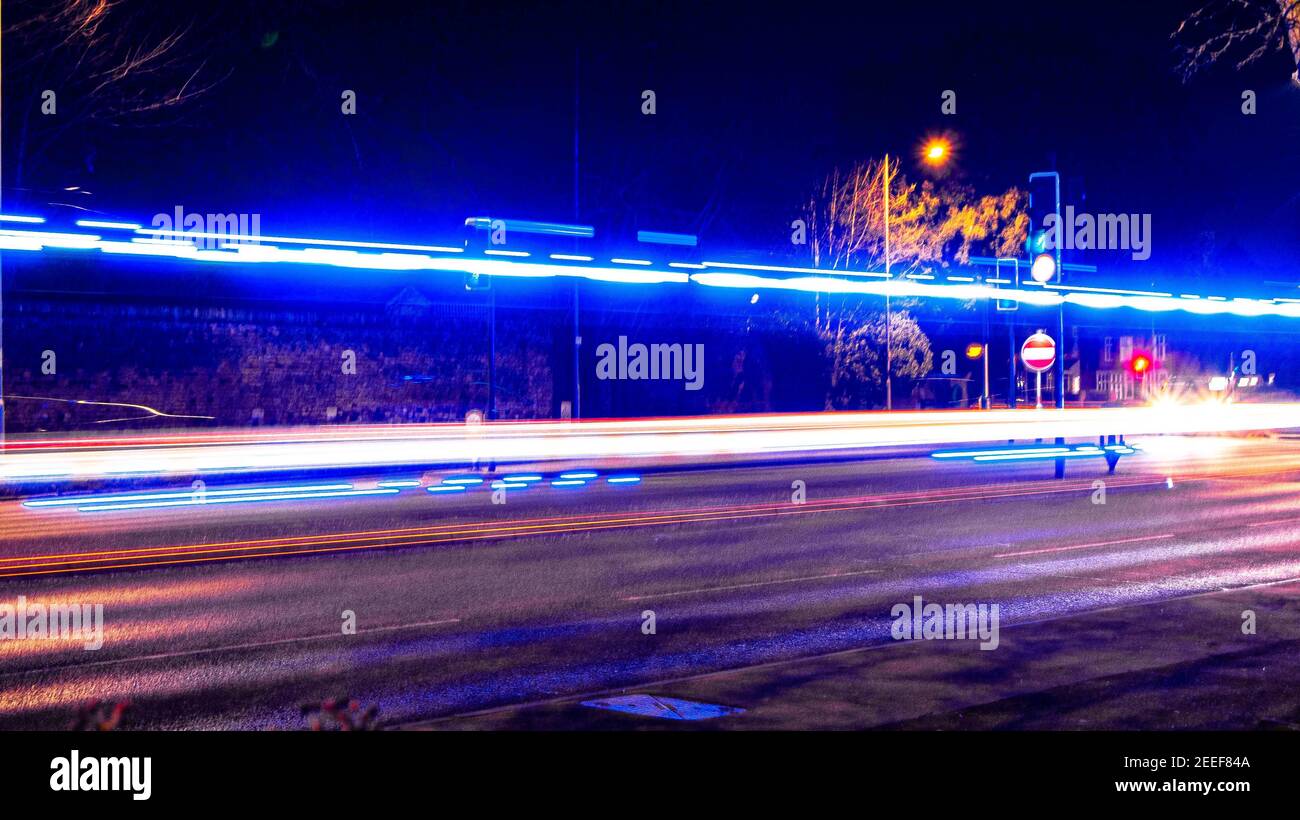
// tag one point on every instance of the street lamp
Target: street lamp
(936, 151)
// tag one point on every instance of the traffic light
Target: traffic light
(1043, 269)
(1042, 243)
(1006, 274)
(1039, 241)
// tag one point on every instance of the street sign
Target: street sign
(1038, 352)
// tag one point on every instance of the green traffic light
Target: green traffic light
(1038, 242)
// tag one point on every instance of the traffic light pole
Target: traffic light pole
(1060, 310)
(1012, 392)
(1060, 276)
(492, 359)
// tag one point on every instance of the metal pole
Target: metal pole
(577, 180)
(1059, 467)
(1011, 332)
(577, 364)
(985, 402)
(2, 341)
(889, 329)
(1060, 312)
(1011, 358)
(1060, 276)
(492, 359)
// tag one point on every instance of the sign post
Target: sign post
(1039, 354)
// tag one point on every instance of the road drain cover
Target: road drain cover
(661, 707)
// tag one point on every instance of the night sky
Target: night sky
(468, 109)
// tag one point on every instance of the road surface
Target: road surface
(462, 605)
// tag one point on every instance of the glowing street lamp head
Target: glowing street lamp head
(936, 151)
(1043, 269)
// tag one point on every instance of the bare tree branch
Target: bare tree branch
(1248, 28)
(109, 63)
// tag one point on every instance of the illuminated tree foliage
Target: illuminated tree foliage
(931, 226)
(853, 341)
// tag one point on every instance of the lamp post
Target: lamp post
(889, 330)
(935, 153)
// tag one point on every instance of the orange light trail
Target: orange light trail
(490, 530)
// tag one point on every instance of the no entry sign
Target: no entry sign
(1038, 352)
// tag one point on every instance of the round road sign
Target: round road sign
(1038, 352)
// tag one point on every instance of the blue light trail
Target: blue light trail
(381, 256)
(203, 502)
(1021, 453)
(69, 501)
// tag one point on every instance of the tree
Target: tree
(851, 339)
(84, 66)
(931, 226)
(853, 342)
(1250, 28)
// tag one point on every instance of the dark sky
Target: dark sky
(468, 109)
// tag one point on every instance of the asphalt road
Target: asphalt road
(464, 605)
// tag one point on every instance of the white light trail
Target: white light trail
(690, 440)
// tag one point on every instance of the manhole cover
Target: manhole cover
(661, 707)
